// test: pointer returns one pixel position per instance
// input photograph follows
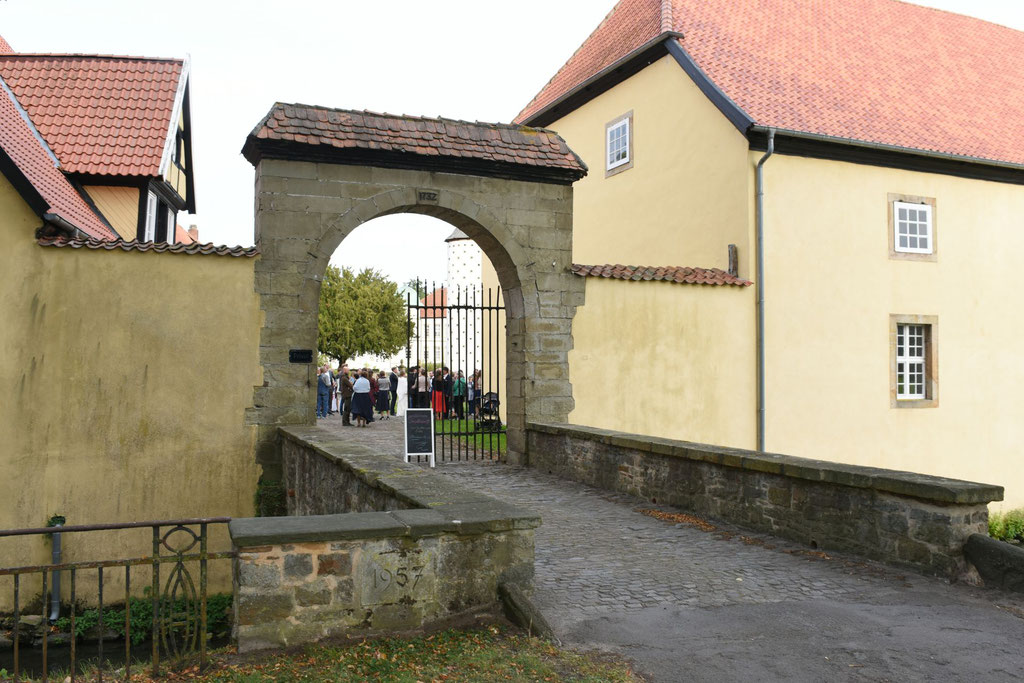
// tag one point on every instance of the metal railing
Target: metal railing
(179, 624)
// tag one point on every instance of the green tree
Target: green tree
(417, 285)
(360, 314)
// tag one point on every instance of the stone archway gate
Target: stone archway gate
(321, 173)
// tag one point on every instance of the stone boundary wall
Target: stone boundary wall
(902, 518)
(382, 546)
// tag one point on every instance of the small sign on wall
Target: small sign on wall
(304, 356)
(419, 433)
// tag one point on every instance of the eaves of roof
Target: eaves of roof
(806, 93)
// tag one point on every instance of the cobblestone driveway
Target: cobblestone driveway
(727, 604)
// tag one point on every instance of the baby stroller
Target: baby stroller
(490, 417)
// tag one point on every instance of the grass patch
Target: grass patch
(1007, 526)
(489, 441)
(491, 654)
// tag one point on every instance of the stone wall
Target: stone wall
(898, 517)
(323, 478)
(407, 550)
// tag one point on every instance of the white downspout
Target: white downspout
(759, 283)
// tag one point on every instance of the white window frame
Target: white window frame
(172, 224)
(612, 134)
(912, 361)
(899, 222)
(152, 206)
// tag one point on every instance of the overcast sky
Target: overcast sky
(473, 60)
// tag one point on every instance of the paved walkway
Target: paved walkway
(723, 604)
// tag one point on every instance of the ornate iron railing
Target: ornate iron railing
(179, 625)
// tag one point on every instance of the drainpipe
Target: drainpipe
(55, 556)
(759, 283)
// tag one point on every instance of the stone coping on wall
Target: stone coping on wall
(437, 505)
(928, 488)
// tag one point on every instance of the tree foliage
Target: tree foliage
(360, 314)
(417, 285)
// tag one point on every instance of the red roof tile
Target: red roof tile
(101, 115)
(159, 247)
(438, 298)
(629, 25)
(30, 155)
(878, 71)
(5, 47)
(680, 274)
(345, 129)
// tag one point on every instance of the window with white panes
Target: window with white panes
(912, 227)
(159, 222)
(911, 361)
(618, 144)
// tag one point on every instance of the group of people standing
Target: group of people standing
(446, 394)
(358, 393)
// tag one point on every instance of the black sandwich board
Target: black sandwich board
(419, 433)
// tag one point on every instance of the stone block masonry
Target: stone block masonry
(304, 212)
(381, 547)
(902, 518)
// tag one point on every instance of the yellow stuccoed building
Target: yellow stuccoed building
(892, 225)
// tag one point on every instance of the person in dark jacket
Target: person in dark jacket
(393, 378)
(448, 383)
(345, 391)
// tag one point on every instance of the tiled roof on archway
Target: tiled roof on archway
(872, 71)
(312, 133)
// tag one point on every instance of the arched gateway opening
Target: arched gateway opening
(320, 173)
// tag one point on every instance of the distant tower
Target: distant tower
(465, 275)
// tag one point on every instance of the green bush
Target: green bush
(1007, 526)
(218, 607)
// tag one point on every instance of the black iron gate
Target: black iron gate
(455, 357)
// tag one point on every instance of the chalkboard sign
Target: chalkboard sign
(419, 433)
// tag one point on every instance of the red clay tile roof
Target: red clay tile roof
(159, 247)
(439, 298)
(879, 71)
(364, 130)
(629, 25)
(680, 274)
(29, 154)
(5, 47)
(101, 115)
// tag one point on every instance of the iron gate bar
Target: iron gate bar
(45, 630)
(100, 625)
(17, 626)
(127, 622)
(73, 639)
